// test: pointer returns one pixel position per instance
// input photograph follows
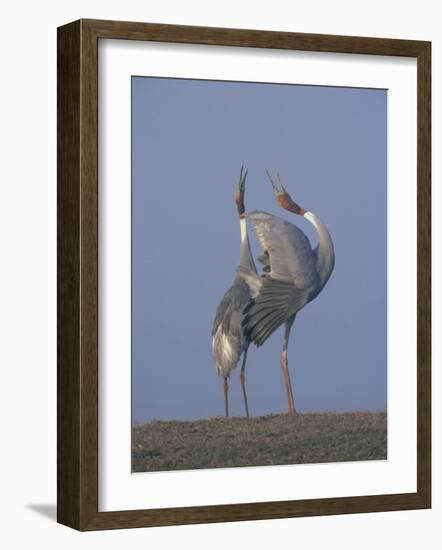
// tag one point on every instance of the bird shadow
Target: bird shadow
(48, 511)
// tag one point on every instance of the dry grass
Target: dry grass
(260, 441)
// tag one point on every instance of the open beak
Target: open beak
(283, 198)
(242, 182)
(278, 188)
(240, 191)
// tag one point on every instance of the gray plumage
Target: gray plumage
(288, 249)
(296, 273)
(229, 340)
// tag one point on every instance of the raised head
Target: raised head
(283, 198)
(240, 192)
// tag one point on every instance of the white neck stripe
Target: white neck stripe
(243, 227)
(311, 218)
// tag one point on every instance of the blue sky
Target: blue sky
(190, 139)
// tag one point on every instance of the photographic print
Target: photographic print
(231, 246)
(259, 274)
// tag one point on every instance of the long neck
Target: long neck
(245, 258)
(325, 252)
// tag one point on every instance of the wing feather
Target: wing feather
(275, 304)
(292, 276)
(287, 250)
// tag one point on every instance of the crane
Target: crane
(228, 338)
(294, 275)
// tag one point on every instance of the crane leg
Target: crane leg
(285, 368)
(226, 397)
(243, 381)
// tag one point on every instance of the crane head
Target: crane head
(240, 192)
(283, 198)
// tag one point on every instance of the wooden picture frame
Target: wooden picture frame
(77, 459)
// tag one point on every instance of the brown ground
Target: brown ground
(259, 441)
